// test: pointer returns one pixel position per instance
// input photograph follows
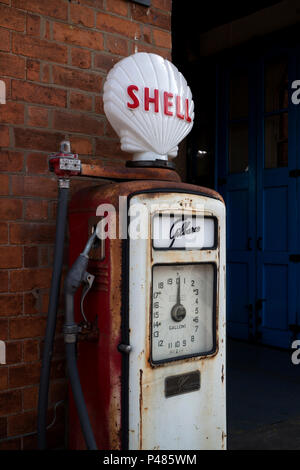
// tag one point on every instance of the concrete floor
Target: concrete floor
(263, 398)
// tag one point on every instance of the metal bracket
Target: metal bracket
(70, 333)
(64, 163)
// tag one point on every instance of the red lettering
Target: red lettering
(149, 100)
(187, 117)
(178, 99)
(168, 103)
(135, 101)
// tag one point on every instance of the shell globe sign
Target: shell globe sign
(149, 104)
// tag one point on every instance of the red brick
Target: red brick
(27, 233)
(4, 40)
(12, 19)
(12, 113)
(4, 188)
(3, 282)
(13, 65)
(78, 123)
(165, 5)
(99, 105)
(33, 25)
(46, 70)
(116, 45)
(3, 233)
(3, 378)
(41, 94)
(104, 61)
(166, 53)
(151, 16)
(37, 163)
(32, 327)
(93, 3)
(58, 369)
(11, 161)
(37, 140)
(31, 351)
(162, 38)
(7, 82)
(3, 430)
(36, 210)
(81, 145)
(120, 7)
(81, 101)
(30, 398)
(110, 132)
(28, 279)
(22, 423)
(10, 402)
(31, 302)
(13, 352)
(53, 8)
(11, 305)
(114, 24)
(3, 329)
(38, 186)
(10, 209)
(4, 136)
(44, 256)
(77, 36)
(31, 257)
(37, 117)
(71, 78)
(82, 15)
(147, 34)
(39, 48)
(11, 257)
(47, 32)
(11, 444)
(111, 149)
(33, 70)
(81, 58)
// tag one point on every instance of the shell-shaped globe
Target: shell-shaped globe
(149, 104)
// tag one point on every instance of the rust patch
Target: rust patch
(118, 171)
(224, 435)
(141, 409)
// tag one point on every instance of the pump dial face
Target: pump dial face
(182, 311)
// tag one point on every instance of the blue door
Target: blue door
(257, 175)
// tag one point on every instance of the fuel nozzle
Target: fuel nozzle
(76, 276)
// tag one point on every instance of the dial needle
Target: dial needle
(178, 311)
(178, 292)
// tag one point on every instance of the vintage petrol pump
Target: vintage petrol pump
(151, 348)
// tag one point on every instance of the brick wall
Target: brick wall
(54, 56)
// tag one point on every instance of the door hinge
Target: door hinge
(295, 258)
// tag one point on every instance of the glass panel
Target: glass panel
(239, 95)
(276, 141)
(238, 147)
(182, 311)
(276, 85)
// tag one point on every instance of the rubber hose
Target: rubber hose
(61, 221)
(78, 397)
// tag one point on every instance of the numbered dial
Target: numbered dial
(182, 311)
